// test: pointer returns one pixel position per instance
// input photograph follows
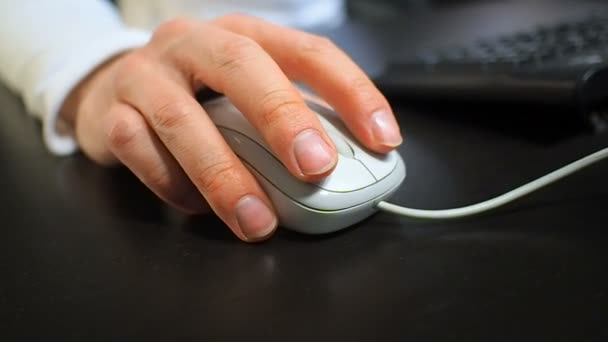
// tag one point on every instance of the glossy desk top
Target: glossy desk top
(88, 254)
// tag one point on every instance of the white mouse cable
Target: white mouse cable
(500, 200)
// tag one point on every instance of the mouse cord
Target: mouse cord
(500, 200)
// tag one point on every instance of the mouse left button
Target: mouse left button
(342, 146)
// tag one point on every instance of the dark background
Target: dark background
(88, 253)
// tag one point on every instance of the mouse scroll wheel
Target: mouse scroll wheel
(342, 146)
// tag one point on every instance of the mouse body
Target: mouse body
(348, 195)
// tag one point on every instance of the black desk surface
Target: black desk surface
(89, 254)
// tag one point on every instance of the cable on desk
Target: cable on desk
(496, 202)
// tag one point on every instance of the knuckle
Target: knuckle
(278, 105)
(133, 61)
(174, 27)
(234, 53)
(129, 69)
(317, 45)
(160, 180)
(214, 176)
(362, 86)
(169, 115)
(170, 186)
(124, 131)
(365, 91)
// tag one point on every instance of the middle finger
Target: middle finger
(239, 68)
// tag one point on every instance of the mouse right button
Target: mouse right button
(349, 175)
(380, 165)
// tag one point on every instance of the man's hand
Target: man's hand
(139, 110)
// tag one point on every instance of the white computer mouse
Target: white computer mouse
(348, 195)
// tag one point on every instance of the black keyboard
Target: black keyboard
(564, 65)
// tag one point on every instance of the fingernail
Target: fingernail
(254, 218)
(313, 154)
(385, 131)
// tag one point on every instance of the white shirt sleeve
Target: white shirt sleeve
(47, 47)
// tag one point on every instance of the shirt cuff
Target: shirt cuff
(83, 59)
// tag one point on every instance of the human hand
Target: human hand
(139, 109)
